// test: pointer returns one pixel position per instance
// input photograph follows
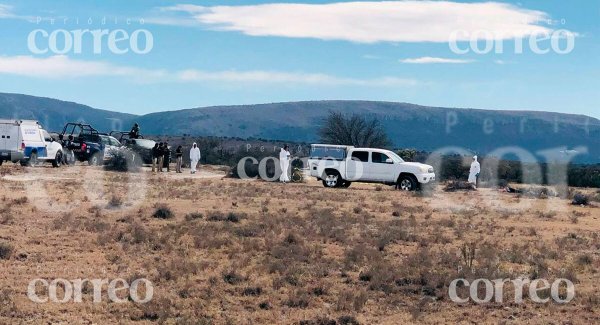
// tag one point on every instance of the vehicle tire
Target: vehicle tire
(69, 158)
(332, 179)
(95, 160)
(407, 183)
(346, 184)
(33, 160)
(58, 160)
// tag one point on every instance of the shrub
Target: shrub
(194, 216)
(115, 202)
(215, 216)
(351, 300)
(348, 320)
(265, 305)
(232, 277)
(457, 186)
(230, 217)
(123, 160)
(233, 217)
(318, 321)
(6, 251)
(580, 199)
(20, 201)
(163, 212)
(584, 259)
(252, 291)
(298, 300)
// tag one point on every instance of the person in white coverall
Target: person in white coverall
(474, 172)
(194, 157)
(284, 163)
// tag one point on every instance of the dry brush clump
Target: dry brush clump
(6, 250)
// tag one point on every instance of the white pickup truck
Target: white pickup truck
(339, 166)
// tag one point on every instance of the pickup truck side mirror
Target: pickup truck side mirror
(389, 161)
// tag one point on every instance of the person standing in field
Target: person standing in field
(167, 157)
(194, 157)
(161, 156)
(155, 157)
(474, 172)
(284, 163)
(179, 159)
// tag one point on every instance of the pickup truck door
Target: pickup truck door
(358, 167)
(381, 167)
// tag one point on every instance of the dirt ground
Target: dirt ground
(227, 251)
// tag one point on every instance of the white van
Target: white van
(27, 142)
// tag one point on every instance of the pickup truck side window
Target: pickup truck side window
(360, 156)
(379, 158)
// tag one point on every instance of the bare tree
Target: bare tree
(354, 130)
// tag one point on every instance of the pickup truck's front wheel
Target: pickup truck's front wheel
(332, 179)
(95, 160)
(407, 183)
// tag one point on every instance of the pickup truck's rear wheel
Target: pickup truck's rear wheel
(407, 183)
(332, 179)
(33, 159)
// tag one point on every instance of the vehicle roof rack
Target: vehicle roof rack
(83, 129)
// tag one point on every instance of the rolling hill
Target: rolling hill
(54, 114)
(408, 125)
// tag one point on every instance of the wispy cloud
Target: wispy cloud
(365, 22)
(63, 67)
(371, 57)
(6, 11)
(60, 67)
(428, 59)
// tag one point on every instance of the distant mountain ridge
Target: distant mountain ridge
(408, 125)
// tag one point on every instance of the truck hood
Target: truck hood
(416, 165)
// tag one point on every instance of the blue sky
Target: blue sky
(241, 52)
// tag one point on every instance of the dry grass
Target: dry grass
(223, 251)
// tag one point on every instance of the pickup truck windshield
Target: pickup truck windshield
(395, 157)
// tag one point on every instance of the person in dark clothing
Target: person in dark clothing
(166, 156)
(135, 131)
(161, 156)
(155, 155)
(179, 157)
